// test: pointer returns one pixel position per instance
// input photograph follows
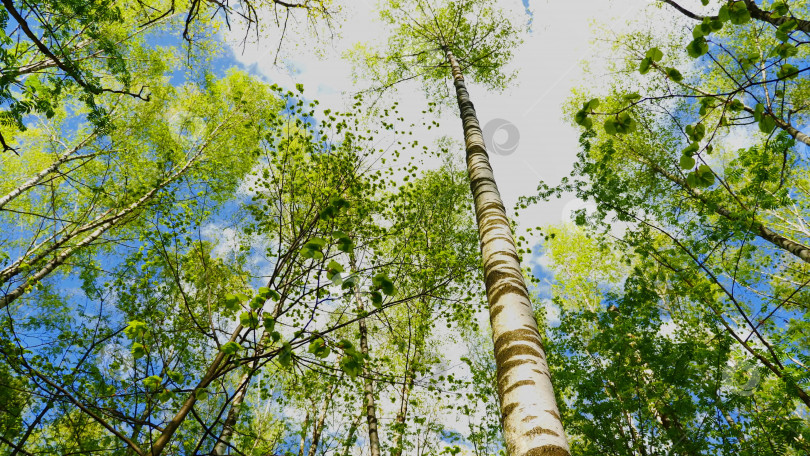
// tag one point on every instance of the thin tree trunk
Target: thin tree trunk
(529, 413)
(31, 427)
(62, 159)
(402, 415)
(407, 385)
(180, 416)
(304, 434)
(233, 414)
(368, 385)
(316, 431)
(350, 439)
(99, 225)
(241, 390)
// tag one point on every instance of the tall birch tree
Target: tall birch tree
(434, 42)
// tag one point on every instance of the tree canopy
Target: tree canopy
(198, 257)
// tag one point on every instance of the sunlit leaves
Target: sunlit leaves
(230, 348)
(135, 329)
(344, 242)
(352, 360)
(333, 270)
(383, 283)
(673, 74)
(313, 248)
(735, 11)
(687, 162)
(785, 50)
(779, 9)
(319, 348)
(787, 71)
(138, 350)
(152, 382)
(581, 117)
(701, 177)
(765, 120)
(249, 320)
(175, 376)
(285, 355)
(620, 124)
(697, 47)
(653, 55)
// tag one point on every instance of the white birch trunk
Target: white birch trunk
(529, 413)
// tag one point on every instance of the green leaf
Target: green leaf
(581, 118)
(610, 126)
(175, 376)
(644, 66)
(779, 9)
(691, 149)
(738, 13)
(654, 54)
(704, 176)
(376, 298)
(674, 74)
(257, 302)
(269, 323)
(349, 282)
(351, 365)
(758, 110)
(788, 26)
(334, 266)
(232, 302)
(339, 203)
(230, 348)
(138, 350)
(315, 243)
(697, 47)
(152, 382)
(687, 162)
(382, 282)
(766, 124)
(201, 394)
(722, 14)
(267, 293)
(696, 133)
(313, 248)
(631, 97)
(319, 348)
(299, 87)
(135, 329)
(785, 50)
(285, 355)
(165, 395)
(345, 244)
(249, 320)
(787, 71)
